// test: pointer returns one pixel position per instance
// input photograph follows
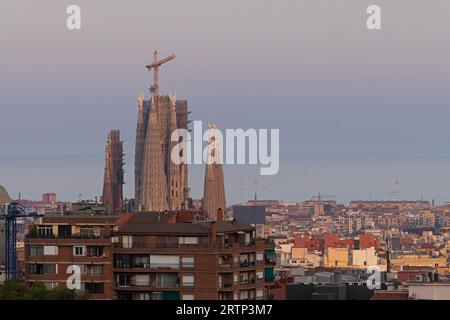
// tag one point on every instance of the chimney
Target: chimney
(213, 232)
(219, 214)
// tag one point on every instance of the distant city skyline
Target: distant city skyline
(355, 108)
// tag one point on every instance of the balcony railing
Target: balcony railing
(247, 281)
(164, 266)
(247, 263)
(64, 237)
(154, 284)
(196, 247)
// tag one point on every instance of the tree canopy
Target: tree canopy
(19, 290)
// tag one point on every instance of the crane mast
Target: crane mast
(155, 66)
(12, 211)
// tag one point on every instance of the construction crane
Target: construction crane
(321, 198)
(13, 211)
(155, 66)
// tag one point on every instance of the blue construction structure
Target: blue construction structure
(13, 211)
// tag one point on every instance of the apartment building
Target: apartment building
(172, 257)
(147, 256)
(56, 242)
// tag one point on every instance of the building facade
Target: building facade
(169, 257)
(150, 256)
(54, 243)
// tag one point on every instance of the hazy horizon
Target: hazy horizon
(355, 108)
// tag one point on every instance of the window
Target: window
(79, 250)
(166, 280)
(36, 251)
(244, 278)
(188, 240)
(187, 262)
(97, 270)
(65, 231)
(49, 268)
(259, 258)
(122, 260)
(167, 242)
(259, 294)
(96, 251)
(247, 238)
(235, 278)
(142, 279)
(127, 242)
(142, 261)
(50, 250)
(42, 268)
(188, 281)
(93, 287)
(45, 231)
(87, 232)
(259, 275)
(244, 260)
(156, 296)
(243, 295)
(141, 296)
(34, 268)
(189, 296)
(164, 261)
(82, 268)
(124, 280)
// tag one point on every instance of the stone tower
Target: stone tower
(157, 119)
(154, 183)
(141, 130)
(160, 184)
(214, 186)
(113, 177)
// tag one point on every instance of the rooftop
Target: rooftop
(154, 223)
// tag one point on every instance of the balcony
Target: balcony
(227, 248)
(77, 236)
(146, 266)
(139, 284)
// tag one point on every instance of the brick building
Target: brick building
(151, 256)
(55, 242)
(170, 256)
